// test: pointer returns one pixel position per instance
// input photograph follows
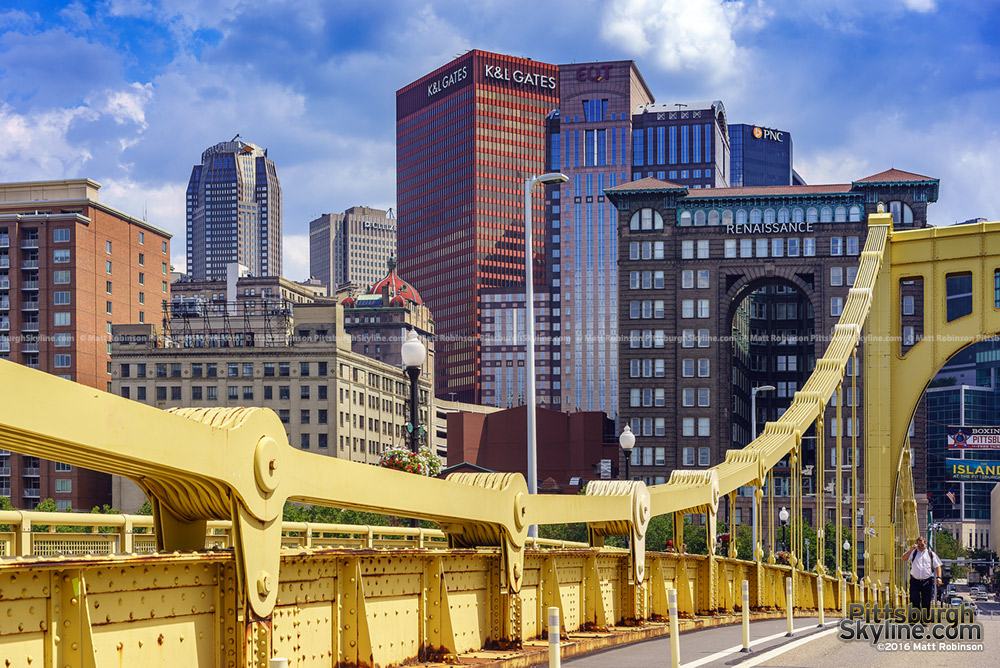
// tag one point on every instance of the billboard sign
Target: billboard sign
(972, 470)
(974, 438)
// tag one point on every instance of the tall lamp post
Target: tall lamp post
(627, 441)
(847, 552)
(753, 437)
(529, 308)
(783, 516)
(414, 353)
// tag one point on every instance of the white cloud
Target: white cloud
(965, 164)
(35, 146)
(295, 255)
(160, 204)
(685, 35)
(125, 106)
(922, 6)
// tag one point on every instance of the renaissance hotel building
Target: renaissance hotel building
(722, 291)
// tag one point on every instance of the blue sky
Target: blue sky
(129, 92)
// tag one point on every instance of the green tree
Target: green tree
(5, 504)
(947, 547)
(47, 505)
(104, 510)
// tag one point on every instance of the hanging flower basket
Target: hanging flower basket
(400, 458)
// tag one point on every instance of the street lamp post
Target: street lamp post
(847, 551)
(529, 308)
(783, 516)
(413, 353)
(627, 441)
(753, 436)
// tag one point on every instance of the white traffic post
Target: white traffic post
(277, 663)
(819, 599)
(788, 604)
(843, 597)
(553, 637)
(746, 617)
(675, 631)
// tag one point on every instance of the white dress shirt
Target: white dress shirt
(922, 564)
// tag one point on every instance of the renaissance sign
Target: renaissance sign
(974, 438)
(768, 228)
(966, 470)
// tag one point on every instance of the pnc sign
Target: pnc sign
(768, 133)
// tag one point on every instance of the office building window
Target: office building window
(704, 456)
(688, 456)
(687, 426)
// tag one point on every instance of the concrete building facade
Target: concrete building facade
(70, 265)
(353, 247)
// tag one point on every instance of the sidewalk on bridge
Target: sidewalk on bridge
(694, 634)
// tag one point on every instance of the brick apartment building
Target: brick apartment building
(70, 265)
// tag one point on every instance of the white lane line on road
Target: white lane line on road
(736, 649)
(778, 651)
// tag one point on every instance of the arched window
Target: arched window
(699, 218)
(797, 216)
(782, 215)
(754, 216)
(840, 215)
(713, 217)
(741, 217)
(855, 215)
(727, 217)
(901, 213)
(768, 215)
(646, 220)
(685, 219)
(826, 215)
(812, 215)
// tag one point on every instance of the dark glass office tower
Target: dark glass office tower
(233, 212)
(761, 157)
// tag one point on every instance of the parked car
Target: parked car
(955, 600)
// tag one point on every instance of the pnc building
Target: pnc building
(466, 136)
(761, 157)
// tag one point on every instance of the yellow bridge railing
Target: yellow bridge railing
(392, 599)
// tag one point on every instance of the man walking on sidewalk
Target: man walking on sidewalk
(924, 564)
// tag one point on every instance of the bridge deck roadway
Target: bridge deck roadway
(810, 646)
(716, 643)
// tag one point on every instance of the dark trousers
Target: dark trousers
(920, 592)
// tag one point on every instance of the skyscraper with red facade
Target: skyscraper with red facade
(467, 135)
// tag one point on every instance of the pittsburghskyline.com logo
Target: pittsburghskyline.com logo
(888, 628)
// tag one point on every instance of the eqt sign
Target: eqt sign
(593, 73)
